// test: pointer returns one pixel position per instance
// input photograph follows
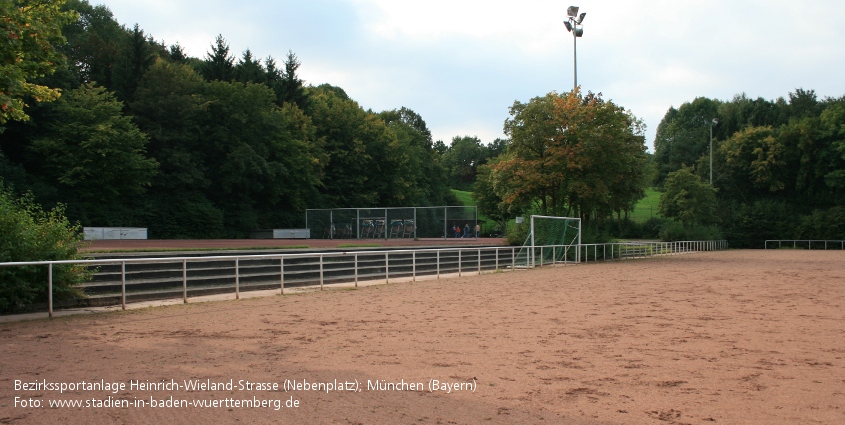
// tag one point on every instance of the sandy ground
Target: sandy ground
(724, 337)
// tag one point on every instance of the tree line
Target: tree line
(778, 166)
(145, 135)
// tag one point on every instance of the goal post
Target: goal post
(553, 239)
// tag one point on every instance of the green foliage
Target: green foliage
(462, 160)
(31, 31)
(688, 199)
(823, 224)
(646, 208)
(749, 225)
(490, 204)
(518, 233)
(93, 151)
(219, 64)
(572, 155)
(683, 135)
(674, 231)
(28, 233)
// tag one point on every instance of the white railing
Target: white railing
(354, 266)
(805, 244)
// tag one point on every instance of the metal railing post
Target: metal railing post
(386, 269)
(50, 290)
(282, 275)
(123, 285)
(459, 262)
(237, 280)
(356, 269)
(438, 264)
(479, 261)
(414, 265)
(321, 272)
(184, 281)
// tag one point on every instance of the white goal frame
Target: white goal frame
(577, 247)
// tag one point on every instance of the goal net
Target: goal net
(550, 240)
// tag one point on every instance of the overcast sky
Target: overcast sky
(460, 64)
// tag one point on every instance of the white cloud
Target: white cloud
(462, 63)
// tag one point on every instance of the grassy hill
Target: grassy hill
(646, 207)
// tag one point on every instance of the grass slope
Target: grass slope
(646, 207)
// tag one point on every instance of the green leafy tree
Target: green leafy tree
(28, 233)
(94, 152)
(683, 135)
(31, 31)
(424, 172)
(572, 155)
(365, 161)
(688, 199)
(486, 196)
(462, 160)
(264, 162)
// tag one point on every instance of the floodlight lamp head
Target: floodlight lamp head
(579, 32)
(581, 18)
(715, 121)
(572, 11)
(568, 26)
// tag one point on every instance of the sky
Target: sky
(461, 64)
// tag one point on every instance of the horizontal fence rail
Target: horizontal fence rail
(169, 277)
(805, 244)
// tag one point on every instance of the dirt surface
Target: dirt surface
(188, 244)
(730, 337)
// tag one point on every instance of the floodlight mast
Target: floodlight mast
(572, 25)
(711, 124)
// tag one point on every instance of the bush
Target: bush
(823, 224)
(630, 229)
(674, 231)
(28, 233)
(748, 226)
(518, 233)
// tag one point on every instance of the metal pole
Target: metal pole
(386, 269)
(184, 281)
(479, 260)
(282, 274)
(459, 262)
(123, 285)
(532, 241)
(414, 266)
(50, 290)
(711, 154)
(321, 272)
(438, 264)
(356, 269)
(237, 281)
(575, 55)
(445, 229)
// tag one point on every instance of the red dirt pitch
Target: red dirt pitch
(732, 337)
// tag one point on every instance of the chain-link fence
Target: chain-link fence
(393, 223)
